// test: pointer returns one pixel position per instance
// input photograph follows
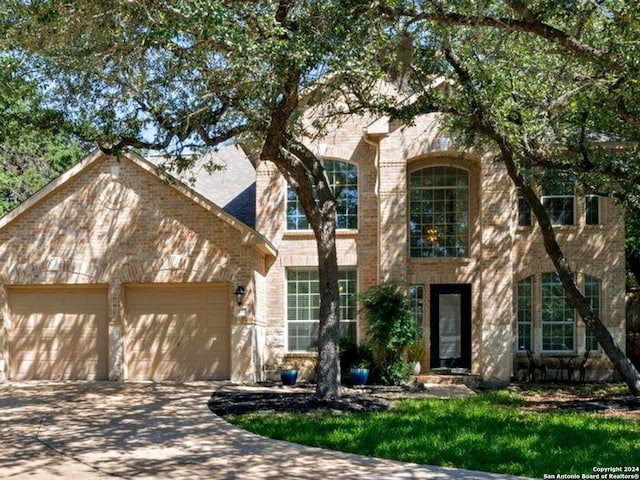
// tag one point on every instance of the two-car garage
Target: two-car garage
(169, 332)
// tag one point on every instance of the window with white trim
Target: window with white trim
(303, 307)
(558, 318)
(416, 298)
(592, 294)
(558, 197)
(525, 314)
(592, 210)
(343, 179)
(439, 212)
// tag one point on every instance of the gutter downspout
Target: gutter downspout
(376, 190)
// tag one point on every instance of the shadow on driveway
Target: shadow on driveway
(90, 430)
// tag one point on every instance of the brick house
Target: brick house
(451, 226)
(113, 272)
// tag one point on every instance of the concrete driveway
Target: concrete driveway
(99, 430)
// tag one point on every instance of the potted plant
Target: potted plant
(415, 352)
(289, 375)
(360, 372)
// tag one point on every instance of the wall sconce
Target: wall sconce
(175, 261)
(55, 264)
(115, 171)
(239, 294)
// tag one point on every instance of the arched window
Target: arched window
(343, 179)
(439, 212)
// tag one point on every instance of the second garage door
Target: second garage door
(177, 332)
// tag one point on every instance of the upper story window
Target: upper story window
(592, 210)
(343, 178)
(558, 197)
(439, 212)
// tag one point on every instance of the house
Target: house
(117, 271)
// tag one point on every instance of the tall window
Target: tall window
(303, 307)
(592, 294)
(439, 212)
(592, 210)
(524, 211)
(416, 297)
(558, 197)
(343, 178)
(558, 317)
(525, 305)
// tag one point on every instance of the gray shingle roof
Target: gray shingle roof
(231, 187)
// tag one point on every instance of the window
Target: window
(525, 305)
(592, 294)
(343, 178)
(524, 211)
(558, 317)
(558, 190)
(303, 307)
(439, 212)
(416, 297)
(592, 209)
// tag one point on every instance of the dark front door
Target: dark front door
(451, 326)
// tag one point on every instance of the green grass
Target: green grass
(487, 432)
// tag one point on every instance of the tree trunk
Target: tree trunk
(327, 371)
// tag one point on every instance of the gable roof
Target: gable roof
(231, 185)
(249, 235)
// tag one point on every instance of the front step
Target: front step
(471, 381)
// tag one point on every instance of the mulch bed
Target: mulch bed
(238, 403)
(302, 400)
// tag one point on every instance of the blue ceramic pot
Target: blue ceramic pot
(289, 377)
(359, 376)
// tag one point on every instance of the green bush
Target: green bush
(390, 329)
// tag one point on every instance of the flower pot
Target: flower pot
(359, 376)
(289, 377)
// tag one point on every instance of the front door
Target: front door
(451, 326)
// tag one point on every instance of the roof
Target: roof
(217, 186)
(231, 184)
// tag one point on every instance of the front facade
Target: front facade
(451, 226)
(113, 272)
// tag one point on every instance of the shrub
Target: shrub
(390, 329)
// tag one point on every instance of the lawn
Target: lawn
(488, 432)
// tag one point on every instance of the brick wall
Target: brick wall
(135, 228)
(501, 252)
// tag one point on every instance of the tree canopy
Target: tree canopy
(34, 145)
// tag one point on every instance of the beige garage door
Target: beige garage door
(58, 332)
(177, 332)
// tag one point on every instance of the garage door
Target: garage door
(177, 332)
(58, 332)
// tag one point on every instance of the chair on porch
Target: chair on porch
(536, 364)
(580, 367)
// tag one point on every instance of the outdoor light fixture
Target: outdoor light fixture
(114, 170)
(239, 294)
